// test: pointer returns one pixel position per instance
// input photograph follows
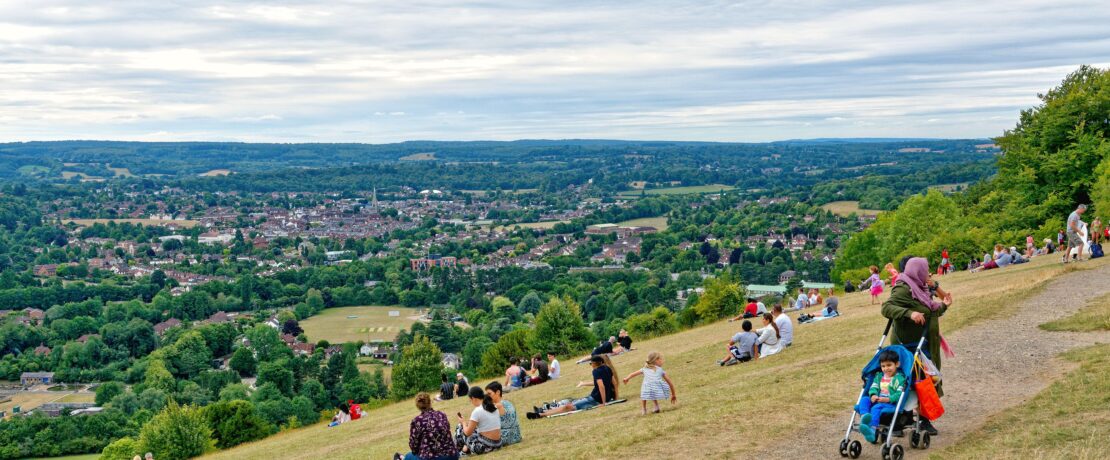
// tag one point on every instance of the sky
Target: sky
(384, 71)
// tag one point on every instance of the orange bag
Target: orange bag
(928, 401)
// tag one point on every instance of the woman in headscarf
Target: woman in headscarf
(912, 308)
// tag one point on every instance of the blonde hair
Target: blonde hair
(613, 369)
(652, 358)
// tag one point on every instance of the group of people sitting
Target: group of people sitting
(448, 390)
(776, 334)
(492, 423)
(539, 371)
(1001, 257)
(348, 411)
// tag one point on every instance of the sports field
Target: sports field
(27, 401)
(419, 157)
(843, 208)
(659, 223)
(352, 324)
(678, 190)
(216, 172)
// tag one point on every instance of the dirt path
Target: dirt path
(999, 364)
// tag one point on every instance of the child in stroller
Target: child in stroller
(887, 386)
(884, 417)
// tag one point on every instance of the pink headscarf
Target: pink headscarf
(915, 277)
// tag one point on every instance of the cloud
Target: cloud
(376, 72)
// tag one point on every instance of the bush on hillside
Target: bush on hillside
(659, 321)
(560, 329)
(723, 296)
(418, 369)
(177, 433)
(496, 358)
(124, 448)
(235, 422)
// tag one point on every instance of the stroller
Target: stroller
(903, 415)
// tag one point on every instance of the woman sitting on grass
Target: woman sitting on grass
(770, 339)
(605, 390)
(482, 432)
(429, 434)
(510, 425)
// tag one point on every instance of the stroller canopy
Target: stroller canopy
(905, 364)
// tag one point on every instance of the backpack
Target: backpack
(1096, 251)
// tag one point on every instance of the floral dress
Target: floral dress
(510, 425)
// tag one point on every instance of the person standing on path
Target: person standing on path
(1074, 227)
(912, 309)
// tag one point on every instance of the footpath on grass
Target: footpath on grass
(999, 363)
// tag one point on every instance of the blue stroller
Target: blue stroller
(903, 411)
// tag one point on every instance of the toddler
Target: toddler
(886, 388)
(876, 284)
(657, 385)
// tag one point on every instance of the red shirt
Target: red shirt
(751, 309)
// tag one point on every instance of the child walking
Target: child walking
(657, 385)
(876, 284)
(886, 389)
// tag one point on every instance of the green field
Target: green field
(844, 208)
(949, 188)
(33, 170)
(148, 222)
(701, 189)
(657, 222)
(369, 323)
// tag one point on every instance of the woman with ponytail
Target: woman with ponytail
(770, 339)
(482, 432)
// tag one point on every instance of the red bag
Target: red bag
(928, 401)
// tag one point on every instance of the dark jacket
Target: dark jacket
(904, 331)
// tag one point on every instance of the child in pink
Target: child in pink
(876, 284)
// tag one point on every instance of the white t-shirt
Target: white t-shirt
(786, 328)
(487, 421)
(760, 308)
(553, 369)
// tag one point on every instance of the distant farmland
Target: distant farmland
(844, 208)
(657, 222)
(352, 324)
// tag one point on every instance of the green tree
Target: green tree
(234, 391)
(531, 303)
(473, 351)
(106, 391)
(314, 391)
(242, 361)
(723, 296)
(158, 377)
(305, 411)
(267, 344)
(560, 329)
(235, 422)
(418, 370)
(496, 358)
(177, 433)
(278, 374)
(125, 448)
(190, 354)
(659, 321)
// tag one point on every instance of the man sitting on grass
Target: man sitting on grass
(742, 347)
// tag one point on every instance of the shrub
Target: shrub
(658, 322)
(177, 433)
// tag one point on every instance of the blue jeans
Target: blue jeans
(876, 410)
(585, 403)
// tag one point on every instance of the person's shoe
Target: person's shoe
(721, 362)
(532, 416)
(868, 433)
(928, 427)
(865, 420)
(397, 456)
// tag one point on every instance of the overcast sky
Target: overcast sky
(461, 70)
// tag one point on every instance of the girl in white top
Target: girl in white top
(657, 385)
(553, 369)
(482, 432)
(770, 340)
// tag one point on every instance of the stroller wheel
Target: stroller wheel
(915, 439)
(854, 449)
(885, 452)
(843, 447)
(896, 452)
(925, 438)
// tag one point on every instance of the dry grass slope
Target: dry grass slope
(732, 412)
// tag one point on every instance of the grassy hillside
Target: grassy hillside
(721, 412)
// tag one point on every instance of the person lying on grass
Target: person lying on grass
(604, 391)
(656, 385)
(743, 346)
(609, 348)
